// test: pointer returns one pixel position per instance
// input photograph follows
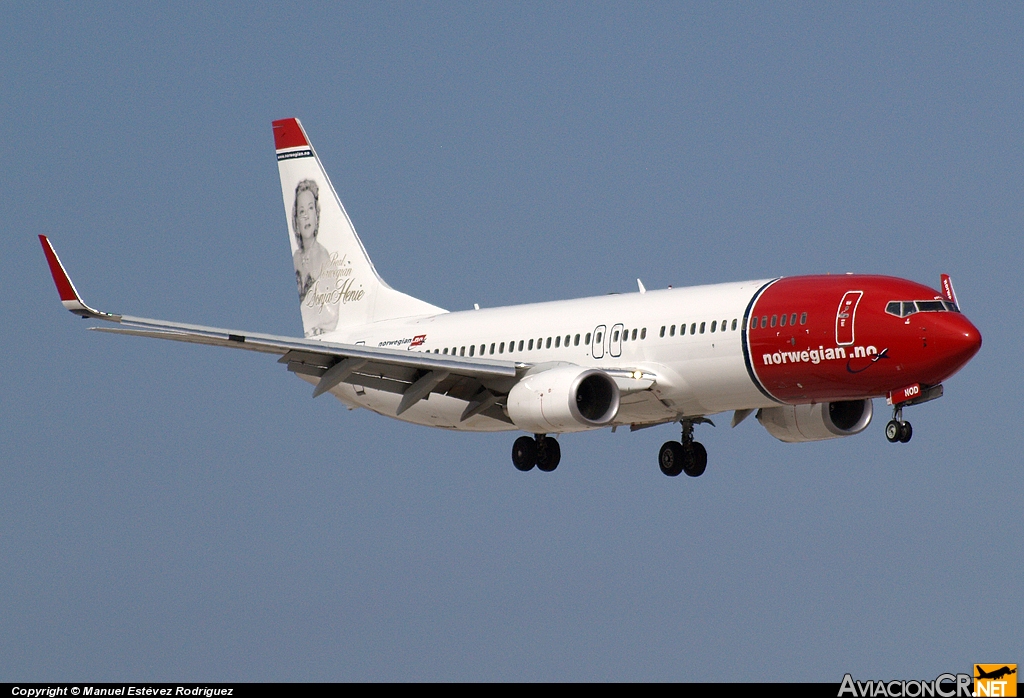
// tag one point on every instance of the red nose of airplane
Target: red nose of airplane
(957, 340)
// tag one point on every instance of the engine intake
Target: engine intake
(562, 399)
(817, 422)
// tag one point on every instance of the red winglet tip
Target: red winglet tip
(60, 277)
(288, 134)
(947, 288)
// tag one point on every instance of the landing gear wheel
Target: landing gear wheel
(893, 431)
(671, 458)
(906, 432)
(548, 454)
(524, 453)
(697, 463)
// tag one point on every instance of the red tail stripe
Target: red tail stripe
(288, 134)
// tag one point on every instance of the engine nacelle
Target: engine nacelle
(563, 398)
(823, 420)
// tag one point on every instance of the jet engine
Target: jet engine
(817, 422)
(564, 398)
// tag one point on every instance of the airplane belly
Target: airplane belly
(711, 378)
(436, 410)
(718, 384)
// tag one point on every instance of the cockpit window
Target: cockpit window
(908, 308)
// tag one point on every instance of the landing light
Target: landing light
(637, 375)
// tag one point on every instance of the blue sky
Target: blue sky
(173, 512)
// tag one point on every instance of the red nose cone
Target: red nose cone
(958, 340)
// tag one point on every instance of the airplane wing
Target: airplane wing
(481, 382)
(411, 374)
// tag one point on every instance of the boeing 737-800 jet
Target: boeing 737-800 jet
(808, 354)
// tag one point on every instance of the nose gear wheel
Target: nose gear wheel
(897, 429)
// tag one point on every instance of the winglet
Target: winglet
(947, 289)
(69, 297)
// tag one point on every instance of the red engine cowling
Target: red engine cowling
(562, 399)
(817, 422)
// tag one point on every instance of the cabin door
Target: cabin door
(845, 317)
(597, 348)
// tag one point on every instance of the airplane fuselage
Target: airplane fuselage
(716, 348)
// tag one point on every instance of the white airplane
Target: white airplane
(808, 354)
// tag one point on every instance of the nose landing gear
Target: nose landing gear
(897, 429)
(541, 450)
(686, 455)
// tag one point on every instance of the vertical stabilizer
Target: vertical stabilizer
(337, 284)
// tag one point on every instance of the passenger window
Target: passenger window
(462, 351)
(714, 324)
(558, 341)
(643, 333)
(492, 348)
(625, 335)
(446, 350)
(764, 321)
(576, 340)
(530, 347)
(615, 337)
(702, 328)
(634, 335)
(803, 319)
(520, 345)
(734, 320)
(586, 340)
(693, 327)
(662, 331)
(775, 319)
(672, 331)
(782, 321)
(753, 323)
(471, 348)
(548, 345)
(501, 348)
(792, 319)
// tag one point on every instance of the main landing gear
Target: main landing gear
(541, 450)
(686, 455)
(897, 429)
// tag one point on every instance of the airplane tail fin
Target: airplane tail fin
(337, 283)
